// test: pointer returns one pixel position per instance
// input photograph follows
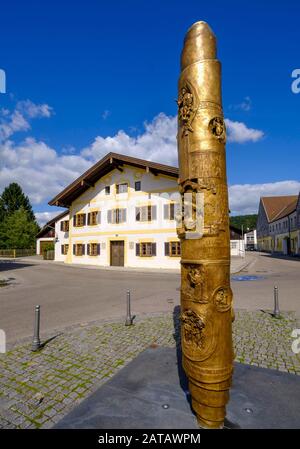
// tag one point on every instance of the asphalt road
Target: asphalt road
(74, 295)
(279, 271)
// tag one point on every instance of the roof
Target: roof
(101, 168)
(51, 223)
(278, 206)
(287, 210)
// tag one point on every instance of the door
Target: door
(44, 244)
(117, 253)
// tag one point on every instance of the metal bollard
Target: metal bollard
(129, 318)
(36, 342)
(276, 313)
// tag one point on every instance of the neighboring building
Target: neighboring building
(121, 213)
(250, 240)
(237, 246)
(62, 224)
(278, 226)
(47, 233)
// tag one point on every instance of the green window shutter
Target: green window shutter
(74, 249)
(99, 217)
(89, 219)
(88, 249)
(83, 250)
(98, 249)
(74, 220)
(84, 219)
(109, 216)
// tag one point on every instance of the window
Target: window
(78, 249)
(172, 249)
(233, 245)
(145, 213)
(107, 190)
(122, 188)
(79, 220)
(64, 226)
(116, 216)
(137, 186)
(94, 218)
(169, 211)
(146, 249)
(64, 249)
(93, 249)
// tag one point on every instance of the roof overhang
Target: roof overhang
(110, 162)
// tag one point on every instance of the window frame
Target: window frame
(139, 183)
(77, 245)
(121, 184)
(94, 213)
(177, 250)
(65, 225)
(94, 249)
(82, 217)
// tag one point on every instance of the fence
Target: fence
(17, 252)
(48, 255)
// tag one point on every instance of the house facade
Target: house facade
(278, 225)
(48, 233)
(122, 212)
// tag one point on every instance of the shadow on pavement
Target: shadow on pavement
(7, 265)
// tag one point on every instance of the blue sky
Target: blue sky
(84, 78)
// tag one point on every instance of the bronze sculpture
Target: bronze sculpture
(206, 296)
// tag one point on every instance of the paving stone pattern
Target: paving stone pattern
(38, 389)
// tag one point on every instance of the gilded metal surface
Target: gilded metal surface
(206, 296)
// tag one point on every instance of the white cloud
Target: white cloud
(157, 143)
(238, 132)
(19, 119)
(43, 217)
(39, 169)
(245, 105)
(32, 110)
(43, 172)
(105, 114)
(244, 198)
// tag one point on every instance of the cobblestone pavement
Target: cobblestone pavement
(38, 389)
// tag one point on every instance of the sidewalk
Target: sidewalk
(237, 264)
(38, 389)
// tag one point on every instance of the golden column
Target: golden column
(206, 296)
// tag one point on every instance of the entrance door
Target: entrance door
(117, 253)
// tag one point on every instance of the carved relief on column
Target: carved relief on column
(194, 283)
(197, 335)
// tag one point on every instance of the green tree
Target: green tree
(247, 221)
(12, 199)
(18, 230)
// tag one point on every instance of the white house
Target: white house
(47, 234)
(121, 213)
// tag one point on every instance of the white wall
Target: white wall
(61, 238)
